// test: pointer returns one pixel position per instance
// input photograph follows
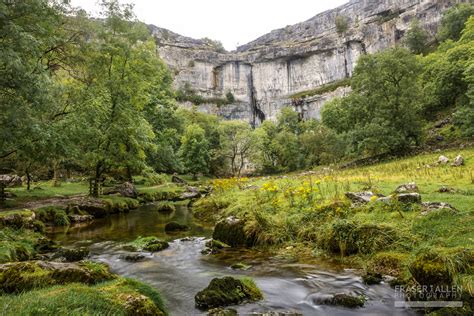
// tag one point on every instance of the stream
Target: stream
(181, 271)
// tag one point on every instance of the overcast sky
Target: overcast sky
(231, 22)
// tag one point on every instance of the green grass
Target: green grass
(118, 297)
(17, 244)
(309, 212)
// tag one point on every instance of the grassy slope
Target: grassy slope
(303, 211)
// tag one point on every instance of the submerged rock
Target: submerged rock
(231, 231)
(408, 187)
(175, 227)
(134, 257)
(227, 291)
(213, 246)
(23, 276)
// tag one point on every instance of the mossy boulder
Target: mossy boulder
(17, 219)
(227, 291)
(389, 263)
(150, 243)
(135, 257)
(240, 266)
(73, 254)
(213, 246)
(222, 312)
(428, 268)
(172, 227)
(345, 300)
(231, 231)
(22, 276)
(165, 207)
(372, 278)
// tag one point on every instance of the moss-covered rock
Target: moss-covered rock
(73, 255)
(389, 263)
(372, 278)
(213, 246)
(150, 243)
(17, 219)
(175, 227)
(22, 244)
(345, 300)
(429, 269)
(240, 266)
(134, 257)
(222, 312)
(227, 291)
(22, 276)
(231, 231)
(165, 207)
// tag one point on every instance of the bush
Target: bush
(341, 24)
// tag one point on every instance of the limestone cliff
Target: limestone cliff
(265, 74)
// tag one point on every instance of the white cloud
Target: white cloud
(231, 22)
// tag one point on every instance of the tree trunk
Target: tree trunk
(28, 178)
(98, 173)
(56, 181)
(129, 174)
(195, 177)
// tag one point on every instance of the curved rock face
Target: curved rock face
(264, 74)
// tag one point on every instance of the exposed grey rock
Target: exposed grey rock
(429, 207)
(80, 218)
(445, 189)
(408, 187)
(360, 197)
(443, 160)
(11, 180)
(133, 257)
(409, 198)
(263, 74)
(177, 179)
(125, 189)
(458, 161)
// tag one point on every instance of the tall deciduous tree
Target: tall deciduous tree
(194, 150)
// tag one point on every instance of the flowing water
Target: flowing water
(180, 271)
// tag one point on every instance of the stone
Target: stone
(134, 257)
(11, 180)
(213, 246)
(345, 300)
(360, 197)
(172, 227)
(231, 232)
(458, 161)
(445, 189)
(227, 291)
(94, 207)
(150, 243)
(372, 278)
(74, 218)
(240, 266)
(176, 179)
(408, 187)
(222, 312)
(443, 160)
(165, 207)
(409, 198)
(429, 269)
(18, 277)
(73, 255)
(429, 207)
(125, 189)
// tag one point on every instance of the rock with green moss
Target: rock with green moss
(213, 246)
(345, 300)
(231, 231)
(240, 266)
(227, 291)
(22, 276)
(222, 312)
(165, 207)
(371, 278)
(17, 219)
(172, 227)
(73, 254)
(150, 243)
(388, 263)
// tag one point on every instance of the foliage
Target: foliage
(194, 150)
(416, 38)
(341, 24)
(323, 89)
(453, 21)
(381, 114)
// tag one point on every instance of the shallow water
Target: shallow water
(180, 271)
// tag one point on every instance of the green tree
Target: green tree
(453, 21)
(382, 113)
(237, 142)
(416, 38)
(194, 150)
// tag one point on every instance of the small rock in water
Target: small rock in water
(408, 187)
(80, 218)
(372, 278)
(458, 161)
(73, 255)
(443, 160)
(175, 227)
(409, 198)
(345, 300)
(240, 266)
(222, 312)
(134, 257)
